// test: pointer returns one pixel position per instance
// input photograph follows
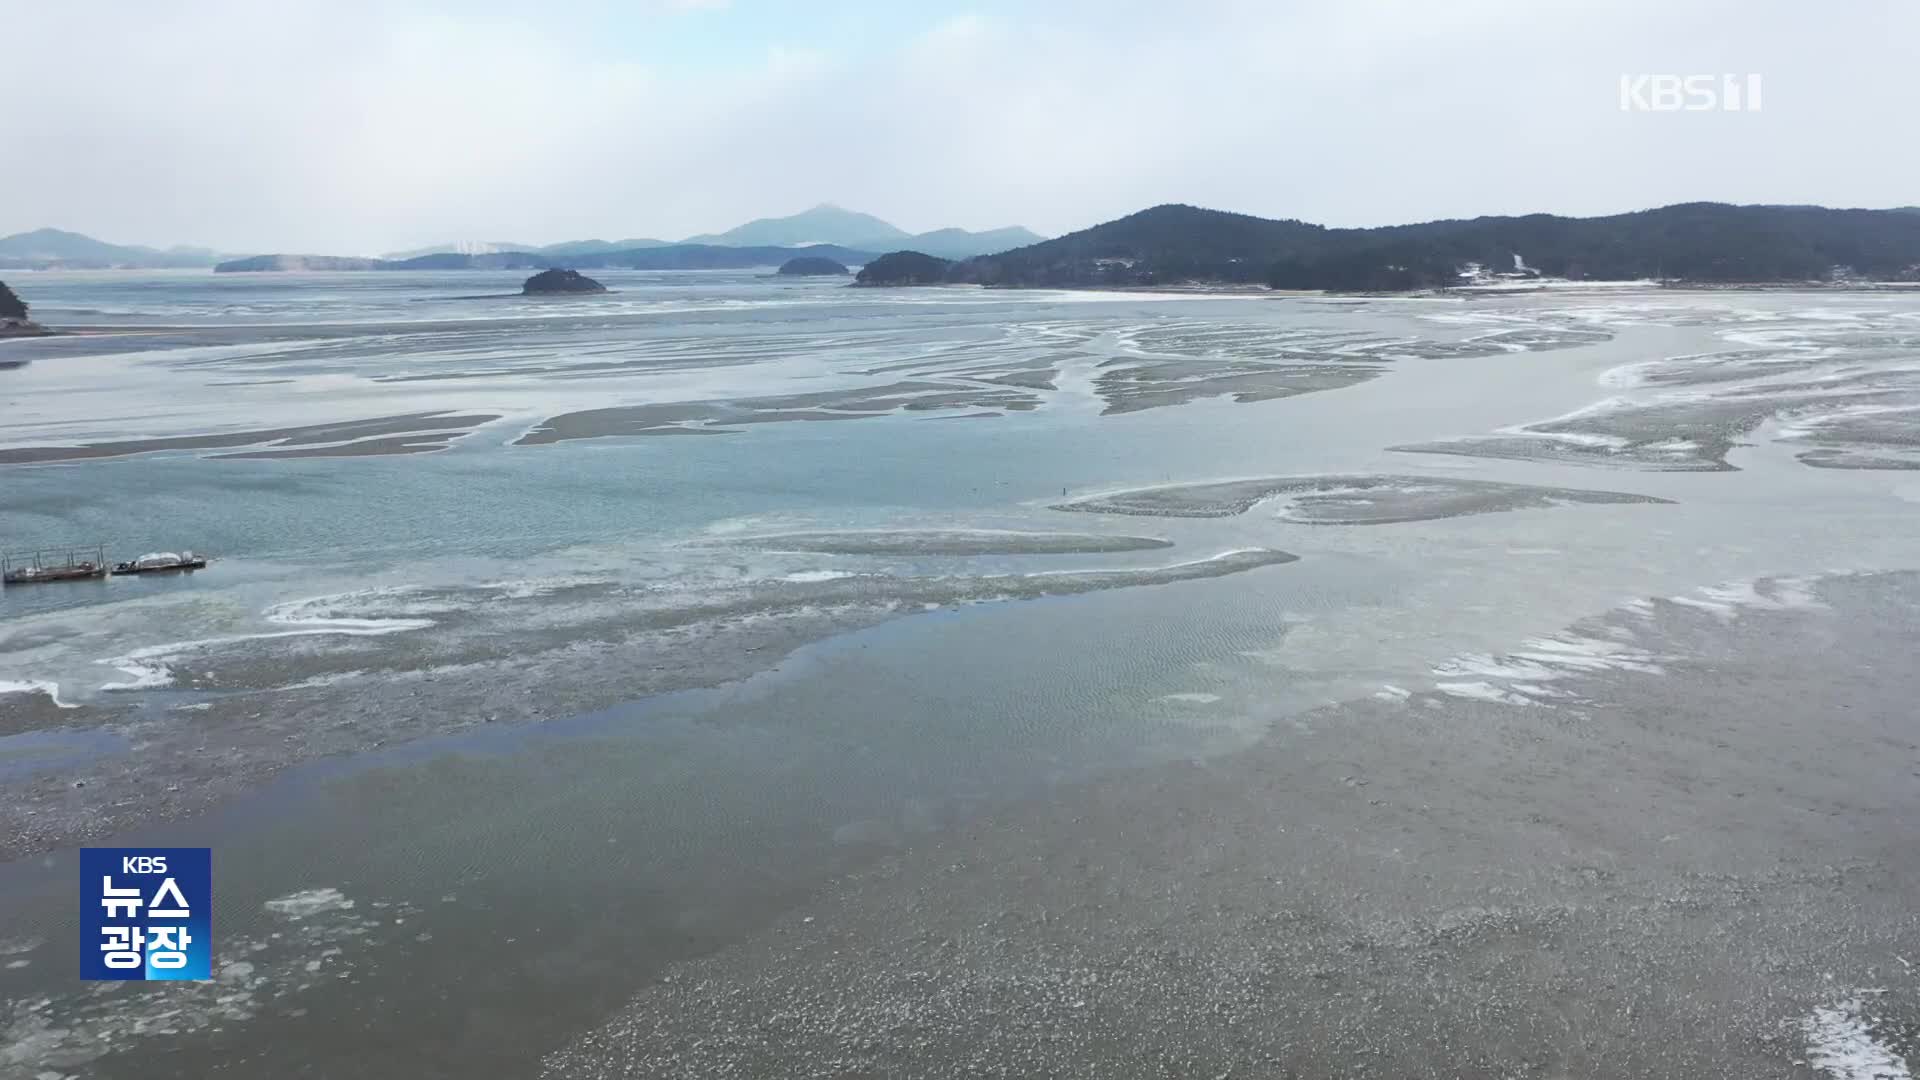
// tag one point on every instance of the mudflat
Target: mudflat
(1704, 869)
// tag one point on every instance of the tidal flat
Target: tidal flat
(1344, 500)
(1408, 885)
(946, 542)
(1169, 717)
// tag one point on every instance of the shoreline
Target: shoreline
(1418, 885)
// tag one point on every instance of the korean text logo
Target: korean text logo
(146, 913)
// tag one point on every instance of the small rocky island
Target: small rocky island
(560, 283)
(13, 316)
(811, 266)
(903, 268)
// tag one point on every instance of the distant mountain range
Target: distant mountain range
(1173, 244)
(499, 247)
(825, 231)
(846, 231)
(824, 224)
(667, 257)
(1697, 242)
(44, 248)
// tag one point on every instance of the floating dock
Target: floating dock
(72, 562)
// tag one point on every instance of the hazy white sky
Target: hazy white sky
(356, 127)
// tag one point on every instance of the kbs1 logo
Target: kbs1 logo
(146, 913)
(1689, 93)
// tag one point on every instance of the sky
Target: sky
(365, 126)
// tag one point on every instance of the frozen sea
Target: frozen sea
(563, 660)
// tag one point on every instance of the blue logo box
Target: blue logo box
(146, 913)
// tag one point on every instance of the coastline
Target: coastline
(1419, 885)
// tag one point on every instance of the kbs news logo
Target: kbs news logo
(1689, 93)
(146, 913)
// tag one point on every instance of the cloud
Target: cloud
(361, 126)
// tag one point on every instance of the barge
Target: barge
(78, 563)
(161, 562)
(53, 564)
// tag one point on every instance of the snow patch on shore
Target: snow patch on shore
(152, 666)
(1840, 1043)
(36, 686)
(306, 614)
(1523, 676)
(1483, 691)
(1520, 677)
(1726, 601)
(534, 588)
(143, 666)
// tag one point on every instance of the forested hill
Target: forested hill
(1163, 244)
(1706, 242)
